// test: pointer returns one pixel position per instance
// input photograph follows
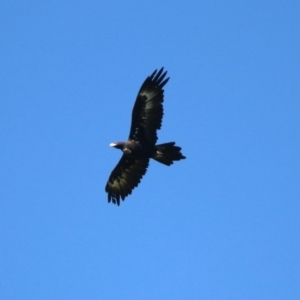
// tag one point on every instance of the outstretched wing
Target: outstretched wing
(125, 177)
(147, 112)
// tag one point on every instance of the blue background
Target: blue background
(222, 224)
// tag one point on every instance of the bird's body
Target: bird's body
(141, 146)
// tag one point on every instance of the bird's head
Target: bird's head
(118, 145)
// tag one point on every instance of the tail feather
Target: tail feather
(167, 153)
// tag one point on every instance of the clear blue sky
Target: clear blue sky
(223, 224)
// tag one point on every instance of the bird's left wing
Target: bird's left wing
(125, 177)
(147, 112)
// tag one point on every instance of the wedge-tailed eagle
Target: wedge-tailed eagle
(141, 145)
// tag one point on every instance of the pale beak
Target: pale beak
(113, 145)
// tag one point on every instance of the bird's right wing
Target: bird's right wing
(125, 177)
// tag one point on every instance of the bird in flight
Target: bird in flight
(141, 145)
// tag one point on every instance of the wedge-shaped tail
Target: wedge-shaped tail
(167, 153)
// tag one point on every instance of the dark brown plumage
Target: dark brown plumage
(147, 116)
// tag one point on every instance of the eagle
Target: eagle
(141, 145)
